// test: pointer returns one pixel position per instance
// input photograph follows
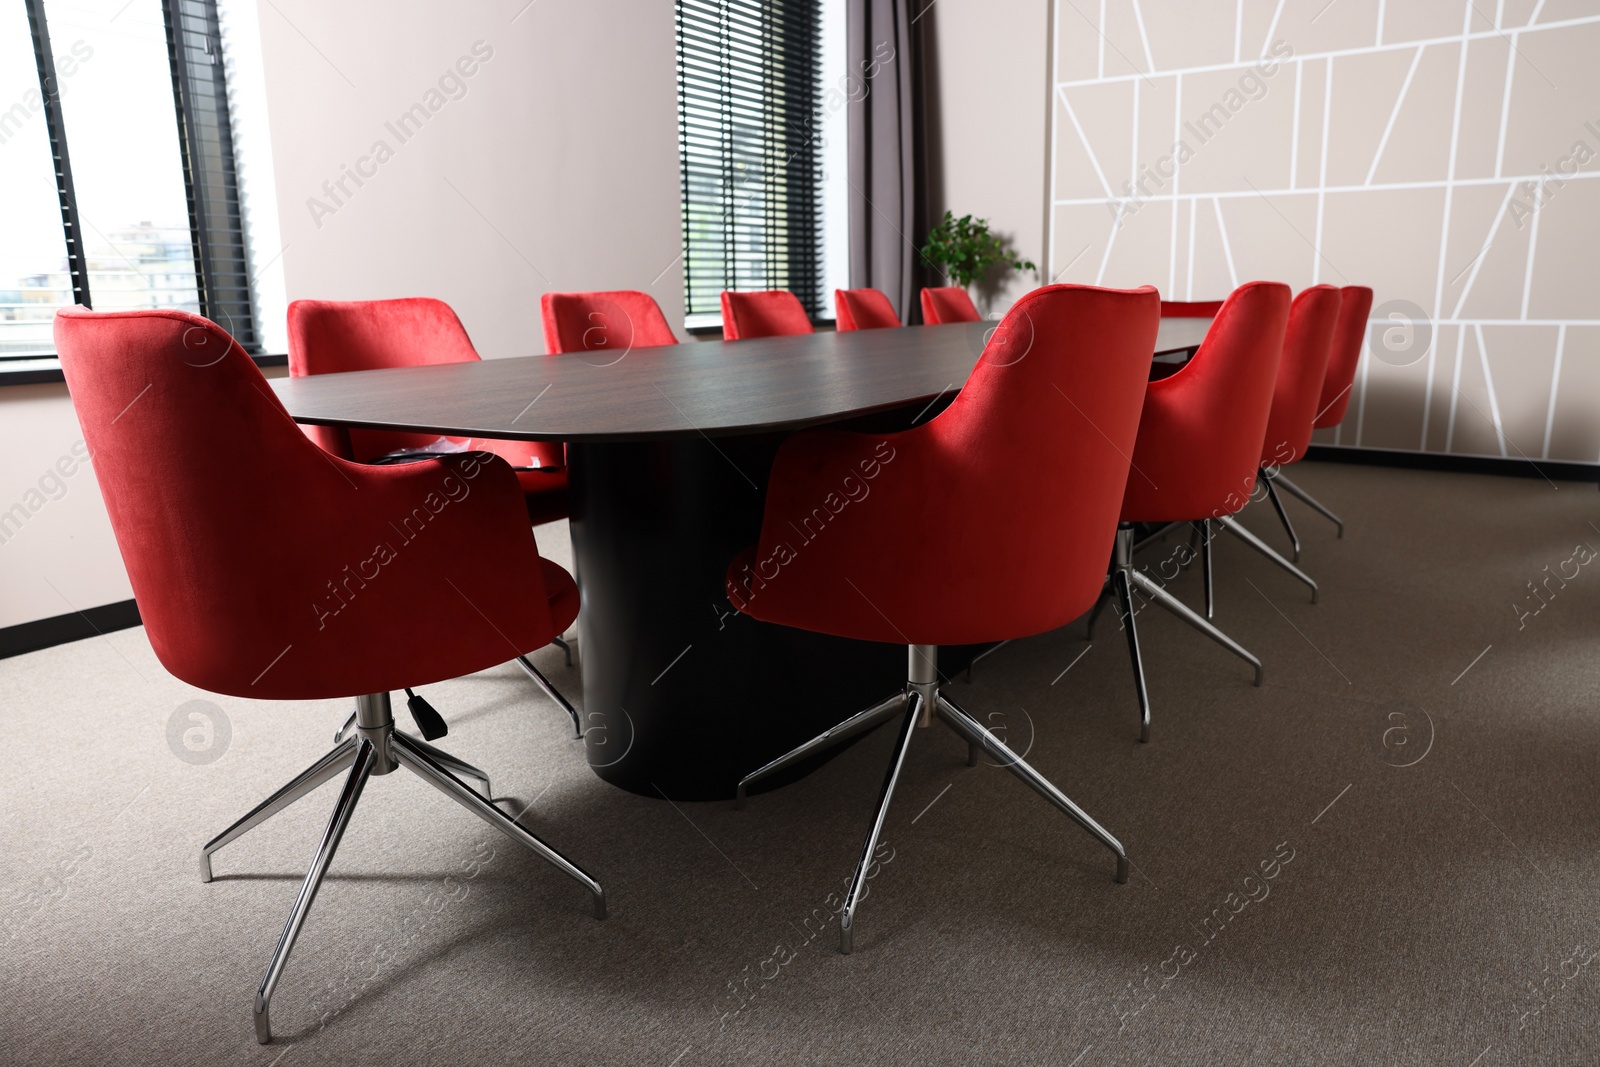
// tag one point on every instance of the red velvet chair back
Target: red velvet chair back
(1190, 309)
(871, 536)
(1200, 435)
(1349, 339)
(594, 322)
(863, 309)
(1304, 367)
(332, 336)
(264, 567)
(948, 303)
(773, 313)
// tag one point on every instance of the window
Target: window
(117, 167)
(749, 134)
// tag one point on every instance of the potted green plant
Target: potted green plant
(966, 251)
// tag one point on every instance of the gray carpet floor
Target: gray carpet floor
(1386, 854)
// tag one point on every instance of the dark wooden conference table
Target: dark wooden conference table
(668, 450)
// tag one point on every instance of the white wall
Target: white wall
(556, 169)
(57, 554)
(990, 61)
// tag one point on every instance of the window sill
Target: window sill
(48, 369)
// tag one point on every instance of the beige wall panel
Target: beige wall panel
(1142, 252)
(1519, 12)
(1318, 26)
(1269, 237)
(1387, 239)
(1442, 360)
(1474, 418)
(1420, 21)
(1080, 235)
(1185, 34)
(1365, 87)
(1387, 410)
(1077, 42)
(1482, 92)
(1518, 261)
(1311, 76)
(1205, 276)
(1124, 46)
(1157, 129)
(1238, 123)
(1575, 431)
(1103, 136)
(1566, 268)
(1522, 360)
(1497, 278)
(1559, 10)
(1258, 31)
(1555, 90)
(1418, 148)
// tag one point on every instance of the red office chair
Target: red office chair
(610, 323)
(330, 336)
(1197, 455)
(1304, 367)
(1190, 309)
(948, 303)
(773, 313)
(862, 309)
(1349, 338)
(266, 568)
(1038, 445)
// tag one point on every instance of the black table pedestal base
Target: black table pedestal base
(682, 695)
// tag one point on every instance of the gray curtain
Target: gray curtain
(883, 47)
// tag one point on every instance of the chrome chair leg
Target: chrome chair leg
(1310, 500)
(1283, 516)
(550, 691)
(1233, 526)
(1192, 617)
(976, 733)
(561, 643)
(451, 763)
(408, 755)
(986, 652)
(858, 881)
(1124, 586)
(329, 766)
(1205, 561)
(341, 732)
(858, 723)
(363, 758)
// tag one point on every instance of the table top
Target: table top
(701, 387)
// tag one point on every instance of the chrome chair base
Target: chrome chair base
(1125, 580)
(1275, 475)
(920, 701)
(1232, 525)
(552, 692)
(1283, 516)
(377, 748)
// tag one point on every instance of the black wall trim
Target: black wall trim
(45, 633)
(1522, 468)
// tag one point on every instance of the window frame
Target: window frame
(218, 238)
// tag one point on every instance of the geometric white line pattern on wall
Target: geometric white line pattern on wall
(1412, 148)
